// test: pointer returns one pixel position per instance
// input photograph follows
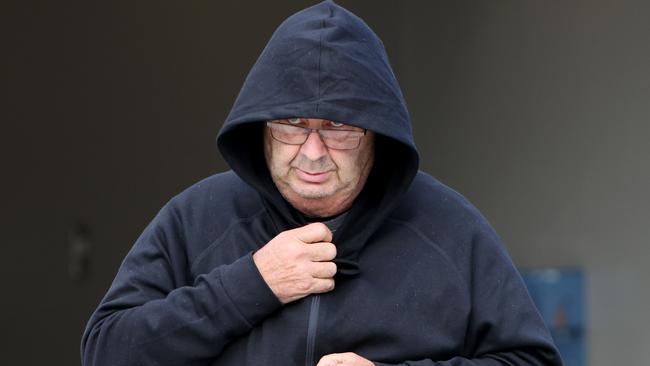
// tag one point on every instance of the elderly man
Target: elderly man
(324, 245)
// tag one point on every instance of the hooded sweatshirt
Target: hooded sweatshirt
(422, 277)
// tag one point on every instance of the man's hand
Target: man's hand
(298, 262)
(345, 359)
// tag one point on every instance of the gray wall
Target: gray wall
(540, 113)
(537, 112)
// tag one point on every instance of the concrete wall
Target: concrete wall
(539, 113)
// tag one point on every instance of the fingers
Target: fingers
(322, 285)
(321, 252)
(313, 233)
(298, 262)
(325, 270)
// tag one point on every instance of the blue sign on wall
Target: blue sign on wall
(559, 296)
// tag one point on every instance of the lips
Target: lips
(317, 177)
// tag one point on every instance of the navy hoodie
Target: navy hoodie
(422, 277)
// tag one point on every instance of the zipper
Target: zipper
(312, 326)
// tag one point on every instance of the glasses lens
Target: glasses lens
(297, 135)
(341, 139)
(288, 134)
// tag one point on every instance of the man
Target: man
(324, 245)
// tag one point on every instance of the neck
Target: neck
(323, 218)
(320, 208)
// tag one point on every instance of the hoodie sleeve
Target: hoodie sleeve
(151, 315)
(505, 327)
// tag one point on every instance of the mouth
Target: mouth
(312, 177)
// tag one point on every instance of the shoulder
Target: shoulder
(196, 217)
(221, 183)
(427, 198)
(216, 201)
(223, 191)
(444, 216)
(448, 221)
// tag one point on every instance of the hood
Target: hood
(325, 62)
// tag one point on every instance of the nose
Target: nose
(314, 148)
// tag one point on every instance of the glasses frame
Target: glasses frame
(309, 130)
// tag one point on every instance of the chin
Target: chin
(312, 193)
(317, 201)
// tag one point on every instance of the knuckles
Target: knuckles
(332, 251)
(305, 287)
(334, 269)
(330, 285)
(321, 229)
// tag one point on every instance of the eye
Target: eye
(336, 124)
(293, 121)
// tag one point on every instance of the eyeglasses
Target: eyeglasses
(344, 138)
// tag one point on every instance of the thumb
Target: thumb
(313, 233)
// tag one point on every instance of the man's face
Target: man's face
(318, 180)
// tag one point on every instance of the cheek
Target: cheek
(280, 158)
(349, 166)
(357, 166)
